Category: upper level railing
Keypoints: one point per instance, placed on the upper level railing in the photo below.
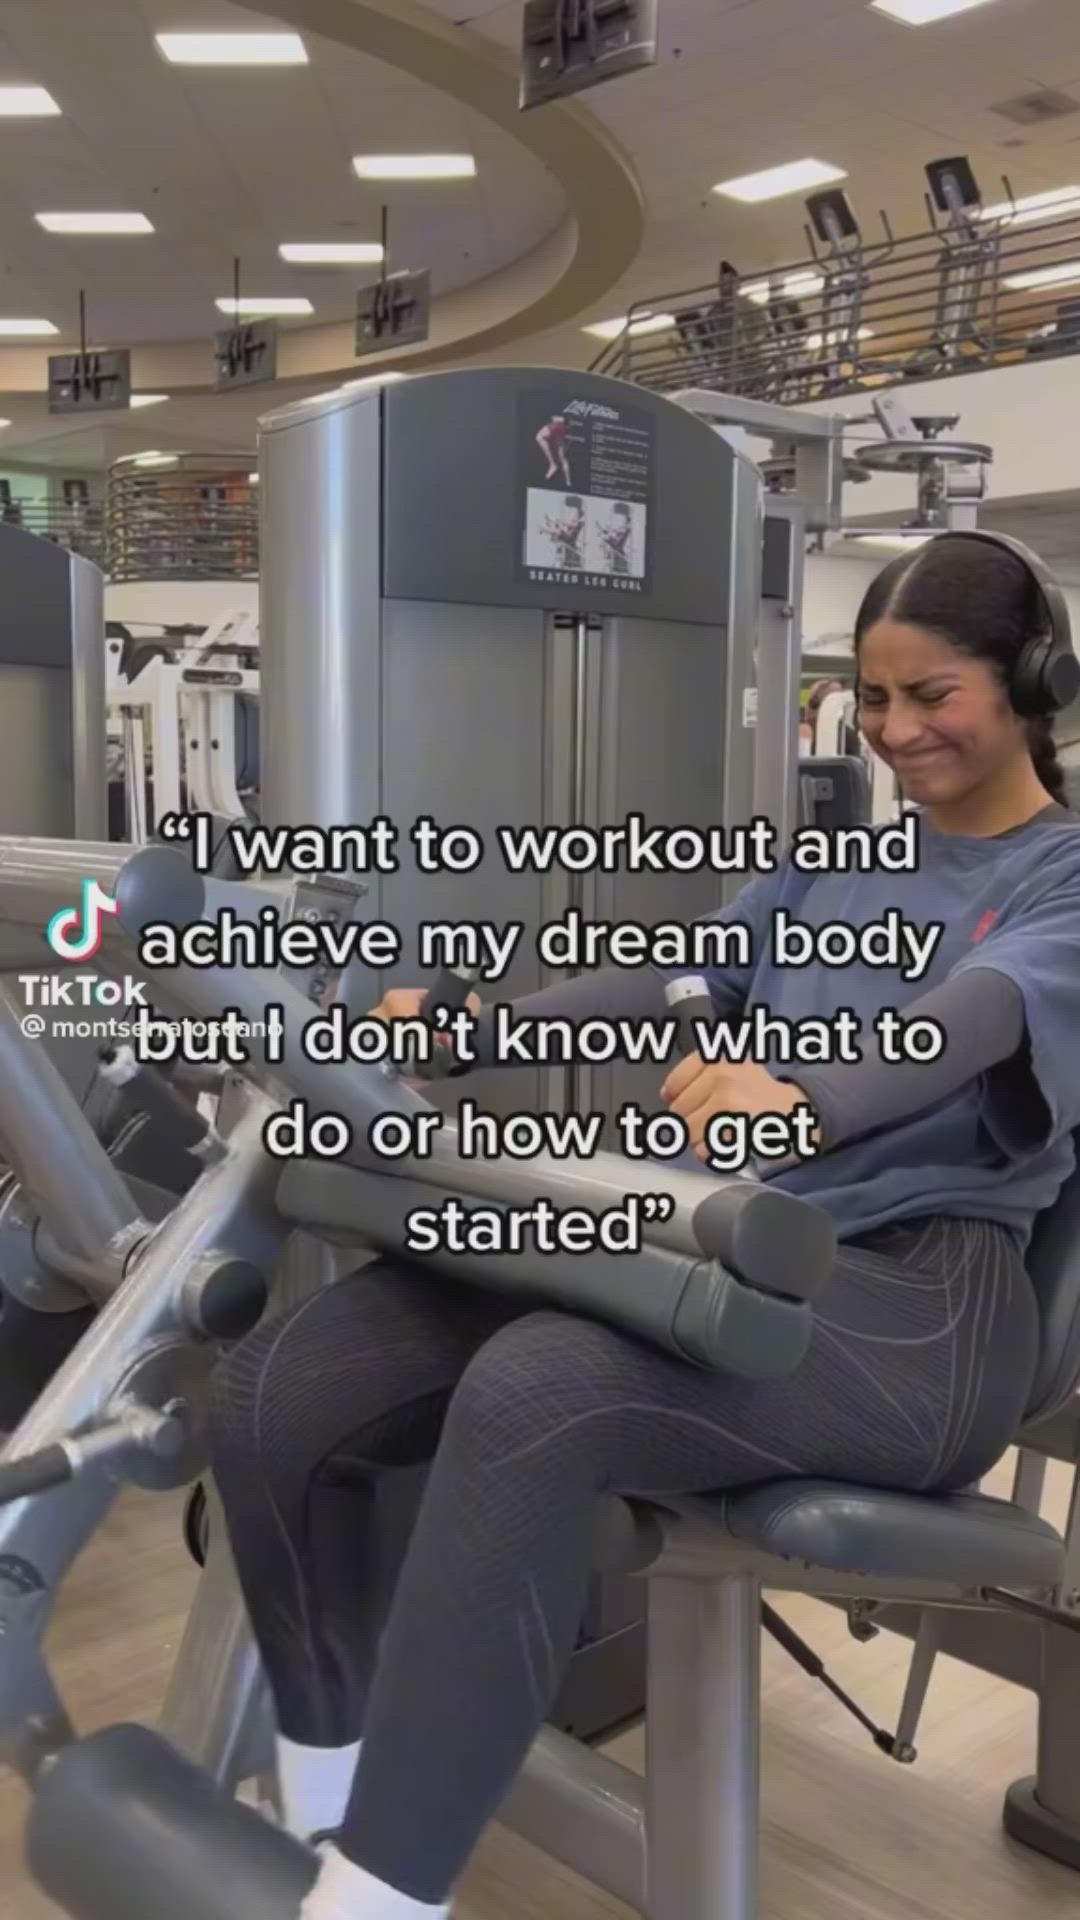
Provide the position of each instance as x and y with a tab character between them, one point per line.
982	292
182	516
77	525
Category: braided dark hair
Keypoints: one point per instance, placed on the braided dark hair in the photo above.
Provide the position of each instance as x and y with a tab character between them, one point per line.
981	600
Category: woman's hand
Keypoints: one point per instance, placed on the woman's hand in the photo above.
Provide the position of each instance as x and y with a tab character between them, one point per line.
407	1003
697	1091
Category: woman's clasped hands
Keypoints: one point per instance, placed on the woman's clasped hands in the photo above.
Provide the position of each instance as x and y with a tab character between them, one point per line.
699	1091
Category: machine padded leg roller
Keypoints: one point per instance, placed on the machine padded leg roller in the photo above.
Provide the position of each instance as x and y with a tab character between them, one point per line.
124	1828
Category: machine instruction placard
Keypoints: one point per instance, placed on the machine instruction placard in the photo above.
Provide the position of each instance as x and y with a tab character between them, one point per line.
586	492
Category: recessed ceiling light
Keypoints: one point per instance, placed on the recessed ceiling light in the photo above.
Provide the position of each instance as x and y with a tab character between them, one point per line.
1053	205
368	380
332	253
232	49
148	399
414	166
777	181
26	329
94	222
645	323
922	13
896	542
1063	276
27	103
793	286
249	305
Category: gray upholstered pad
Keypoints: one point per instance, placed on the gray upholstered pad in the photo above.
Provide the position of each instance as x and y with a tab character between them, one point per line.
966	1539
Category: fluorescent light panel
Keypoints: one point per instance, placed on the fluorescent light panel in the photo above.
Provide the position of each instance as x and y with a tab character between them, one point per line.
896	542
1034	207
232	49
645	323
332	253
923	13
27	103
26	329
248	305
148	399
775	182
94	222
365	380
794	286
414	166
1064	276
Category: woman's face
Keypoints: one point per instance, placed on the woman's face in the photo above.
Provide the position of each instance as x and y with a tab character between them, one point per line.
940	719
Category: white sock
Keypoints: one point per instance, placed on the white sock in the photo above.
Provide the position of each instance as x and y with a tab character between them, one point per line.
345	1892
315	1785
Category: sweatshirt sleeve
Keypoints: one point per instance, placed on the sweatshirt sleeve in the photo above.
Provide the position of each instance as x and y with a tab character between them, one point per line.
982	1023
610	993
638	993
1031	1100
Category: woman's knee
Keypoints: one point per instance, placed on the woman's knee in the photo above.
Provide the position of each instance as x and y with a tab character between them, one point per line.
263	1382
533	1384
360	1349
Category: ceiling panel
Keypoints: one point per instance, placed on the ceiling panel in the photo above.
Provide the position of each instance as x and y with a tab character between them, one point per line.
235	163
230	163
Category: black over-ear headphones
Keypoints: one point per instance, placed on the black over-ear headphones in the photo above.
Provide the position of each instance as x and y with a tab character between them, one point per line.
1046	677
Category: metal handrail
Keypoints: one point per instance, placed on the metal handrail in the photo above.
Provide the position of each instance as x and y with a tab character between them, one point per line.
77	526
924	307
182	516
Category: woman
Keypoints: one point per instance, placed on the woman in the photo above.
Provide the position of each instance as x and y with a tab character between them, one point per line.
403	1720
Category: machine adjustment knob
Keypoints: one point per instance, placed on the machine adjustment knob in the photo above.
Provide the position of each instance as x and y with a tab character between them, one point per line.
225	1297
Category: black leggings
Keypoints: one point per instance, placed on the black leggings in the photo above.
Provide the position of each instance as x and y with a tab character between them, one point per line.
918	1373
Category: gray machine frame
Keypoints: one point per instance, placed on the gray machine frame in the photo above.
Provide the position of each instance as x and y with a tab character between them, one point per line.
52	686
984	1580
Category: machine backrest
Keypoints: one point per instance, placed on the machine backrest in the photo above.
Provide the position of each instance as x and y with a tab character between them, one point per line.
1054	1265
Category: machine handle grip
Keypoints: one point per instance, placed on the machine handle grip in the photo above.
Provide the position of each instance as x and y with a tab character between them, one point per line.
451	991
452	988
689	999
35	1473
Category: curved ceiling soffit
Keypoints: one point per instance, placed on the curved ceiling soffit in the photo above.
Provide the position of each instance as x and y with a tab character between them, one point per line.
571	268
589	252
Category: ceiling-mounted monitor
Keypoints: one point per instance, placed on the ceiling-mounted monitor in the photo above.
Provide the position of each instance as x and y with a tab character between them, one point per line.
395	312
90	382
571	45
246	356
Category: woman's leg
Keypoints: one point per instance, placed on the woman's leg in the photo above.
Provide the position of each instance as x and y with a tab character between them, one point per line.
33	1348
917	1376
307	1418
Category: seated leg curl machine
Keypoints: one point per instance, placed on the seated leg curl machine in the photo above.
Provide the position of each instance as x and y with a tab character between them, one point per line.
402	579
131	1823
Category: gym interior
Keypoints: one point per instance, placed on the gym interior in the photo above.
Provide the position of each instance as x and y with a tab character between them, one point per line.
539	594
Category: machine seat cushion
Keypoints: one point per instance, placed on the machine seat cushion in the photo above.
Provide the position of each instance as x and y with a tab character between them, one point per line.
961	1538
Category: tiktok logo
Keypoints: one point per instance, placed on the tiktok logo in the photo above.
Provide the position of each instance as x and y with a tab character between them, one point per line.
75	932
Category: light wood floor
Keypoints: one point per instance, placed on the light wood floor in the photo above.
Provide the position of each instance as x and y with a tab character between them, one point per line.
847	1835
